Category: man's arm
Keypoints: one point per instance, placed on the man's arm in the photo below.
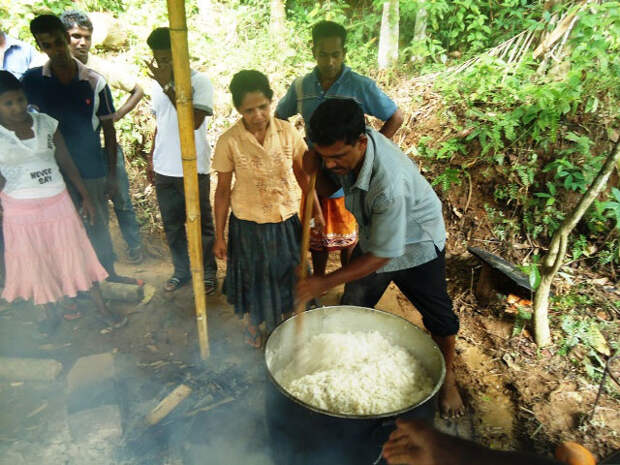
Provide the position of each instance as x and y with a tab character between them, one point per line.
312	164
134	98
109	137
386	239
358	268
416	443
287	106
68	168
392	124
150	172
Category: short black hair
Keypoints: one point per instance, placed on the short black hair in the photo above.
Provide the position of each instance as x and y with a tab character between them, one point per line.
46	24
337	119
77	18
325	29
249	80
159	39
9	82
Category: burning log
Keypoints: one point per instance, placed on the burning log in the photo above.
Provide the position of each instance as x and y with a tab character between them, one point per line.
168	404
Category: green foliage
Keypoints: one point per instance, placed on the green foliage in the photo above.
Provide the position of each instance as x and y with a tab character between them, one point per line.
466	26
585	332
539	132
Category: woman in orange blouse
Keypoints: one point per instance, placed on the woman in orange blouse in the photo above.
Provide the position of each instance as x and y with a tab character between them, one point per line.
265	156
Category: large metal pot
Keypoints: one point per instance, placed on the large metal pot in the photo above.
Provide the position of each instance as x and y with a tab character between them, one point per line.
303	434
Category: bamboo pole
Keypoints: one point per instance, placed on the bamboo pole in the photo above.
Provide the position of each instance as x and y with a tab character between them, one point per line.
185	113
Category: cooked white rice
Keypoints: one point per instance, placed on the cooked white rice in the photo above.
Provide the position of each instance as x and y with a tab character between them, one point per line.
358	373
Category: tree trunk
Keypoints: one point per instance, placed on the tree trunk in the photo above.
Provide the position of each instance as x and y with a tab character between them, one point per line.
388	40
419	31
277	26
557	250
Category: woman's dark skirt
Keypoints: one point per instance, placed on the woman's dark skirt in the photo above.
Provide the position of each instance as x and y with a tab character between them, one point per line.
260	276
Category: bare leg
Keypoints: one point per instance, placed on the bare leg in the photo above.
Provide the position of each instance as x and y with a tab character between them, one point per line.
253	335
450	402
319	262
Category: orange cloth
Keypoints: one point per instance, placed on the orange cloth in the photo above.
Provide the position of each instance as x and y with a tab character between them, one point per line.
340	229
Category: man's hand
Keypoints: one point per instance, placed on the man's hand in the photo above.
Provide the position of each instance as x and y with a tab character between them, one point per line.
219	249
150	172
413	443
311	162
88	210
163	75
310	288
111	185
319	221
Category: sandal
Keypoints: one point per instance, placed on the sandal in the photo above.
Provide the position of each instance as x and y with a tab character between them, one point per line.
254	340
210	286
173	284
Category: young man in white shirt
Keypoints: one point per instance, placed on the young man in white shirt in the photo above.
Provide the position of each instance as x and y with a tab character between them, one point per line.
167	164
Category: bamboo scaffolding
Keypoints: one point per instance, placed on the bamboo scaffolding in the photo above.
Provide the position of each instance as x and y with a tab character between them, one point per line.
185	114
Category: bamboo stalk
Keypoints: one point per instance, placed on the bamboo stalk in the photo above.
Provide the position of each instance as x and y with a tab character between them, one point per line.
305	245
185	114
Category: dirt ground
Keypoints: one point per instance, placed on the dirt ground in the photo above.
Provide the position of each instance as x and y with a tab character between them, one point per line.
518	397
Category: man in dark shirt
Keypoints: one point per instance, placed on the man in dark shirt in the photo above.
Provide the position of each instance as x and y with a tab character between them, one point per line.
81	101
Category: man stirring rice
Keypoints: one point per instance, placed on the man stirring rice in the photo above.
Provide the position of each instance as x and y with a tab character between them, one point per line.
401	230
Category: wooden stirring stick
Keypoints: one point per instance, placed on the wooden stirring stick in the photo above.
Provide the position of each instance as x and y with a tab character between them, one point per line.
305	245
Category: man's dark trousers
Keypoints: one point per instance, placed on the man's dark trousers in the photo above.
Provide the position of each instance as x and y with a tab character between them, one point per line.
171	199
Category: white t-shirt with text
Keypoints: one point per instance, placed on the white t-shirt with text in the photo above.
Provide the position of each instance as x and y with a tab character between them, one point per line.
29	166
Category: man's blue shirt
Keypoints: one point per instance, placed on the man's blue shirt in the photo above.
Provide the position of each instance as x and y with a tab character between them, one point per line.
398	213
350	84
362	89
18	56
79	107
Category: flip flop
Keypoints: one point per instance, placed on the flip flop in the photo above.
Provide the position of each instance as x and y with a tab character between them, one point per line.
173	284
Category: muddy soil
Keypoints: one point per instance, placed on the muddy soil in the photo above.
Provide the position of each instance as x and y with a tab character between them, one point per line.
518	398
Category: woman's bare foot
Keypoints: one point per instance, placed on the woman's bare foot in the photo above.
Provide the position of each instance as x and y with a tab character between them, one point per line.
253	336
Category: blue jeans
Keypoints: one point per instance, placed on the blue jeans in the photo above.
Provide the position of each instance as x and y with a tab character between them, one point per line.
123	207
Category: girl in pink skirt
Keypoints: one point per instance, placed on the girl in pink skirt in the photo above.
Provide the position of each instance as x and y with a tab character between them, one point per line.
47	253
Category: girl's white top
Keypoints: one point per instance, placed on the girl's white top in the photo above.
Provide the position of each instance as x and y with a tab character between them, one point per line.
29	166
